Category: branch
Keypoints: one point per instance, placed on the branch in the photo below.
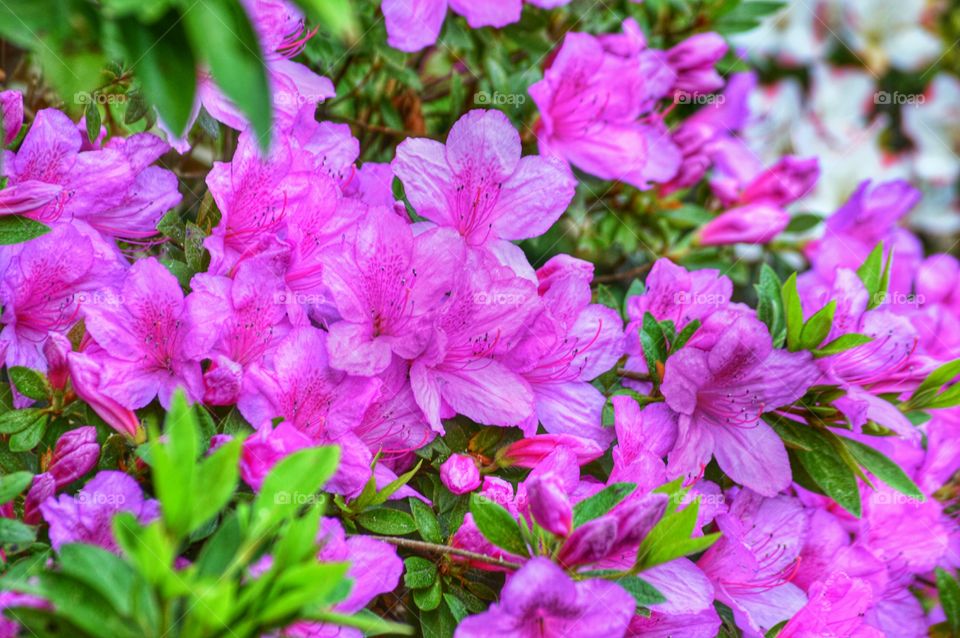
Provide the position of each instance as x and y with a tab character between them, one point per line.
433	548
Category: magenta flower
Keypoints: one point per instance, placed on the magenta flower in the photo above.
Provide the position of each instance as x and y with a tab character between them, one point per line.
756	223
693	60
297	384
266	447
753	562
235	323
531	450
75	454
11	115
459	372
541	600
595	102
387	286
460	474
721	390
113	188
836	607
87	517
145	334
415	24
44	284
85	377
255	196
549	504
479	185
571	343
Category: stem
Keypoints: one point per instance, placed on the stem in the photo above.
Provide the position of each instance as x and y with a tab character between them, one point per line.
433	548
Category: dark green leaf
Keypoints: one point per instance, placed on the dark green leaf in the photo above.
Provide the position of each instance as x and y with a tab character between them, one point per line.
601	502
842	344
19	420
429	599
770	304
793	312
30	383
28	438
643	592
883	468
387	521
949	591
13	531
426	521
418	572
91	116
497	525
824	465
15	229
12	485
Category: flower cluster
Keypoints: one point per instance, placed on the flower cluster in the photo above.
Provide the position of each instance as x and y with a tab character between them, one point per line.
689	455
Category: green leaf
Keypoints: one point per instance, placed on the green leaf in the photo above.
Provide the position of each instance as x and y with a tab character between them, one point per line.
770	304
883	468
147	547
803	222
336	16
163	61
12	485
842	344
949	591
439	623
174	465
816	329
298	540
30	383
793	312
601	502
426	521
497	525
387	521
671	537
102	571
823	463
15	229
643	592
13	531
923	397
871	273
429	599
19	420
218	474
654	344
84	606
685	335
293	482
418	572
91	116
28	438
369	624
220	32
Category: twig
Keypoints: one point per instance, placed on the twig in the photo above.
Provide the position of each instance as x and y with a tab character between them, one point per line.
446	549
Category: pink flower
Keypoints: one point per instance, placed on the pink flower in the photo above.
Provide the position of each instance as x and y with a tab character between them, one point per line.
595	101
11	115
145	336
479	185
85	376
460	474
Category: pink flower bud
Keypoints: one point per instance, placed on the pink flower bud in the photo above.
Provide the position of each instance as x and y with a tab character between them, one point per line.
693	60
74	455
27	197
531	450
786	181
55	349
42	488
11	115
460	474
549	504
85	374
589	543
750	224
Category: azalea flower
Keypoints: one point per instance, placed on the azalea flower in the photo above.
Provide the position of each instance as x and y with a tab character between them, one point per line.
145	336
595	107
479	185
541	599
87	517
720	385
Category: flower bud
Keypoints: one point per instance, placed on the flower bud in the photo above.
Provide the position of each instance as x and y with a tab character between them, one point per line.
42	488
590	542
75	454
460	474
11	115
637	517
693	60
783	183
55	349
85	374
750	224
549	504
27	197
529	451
